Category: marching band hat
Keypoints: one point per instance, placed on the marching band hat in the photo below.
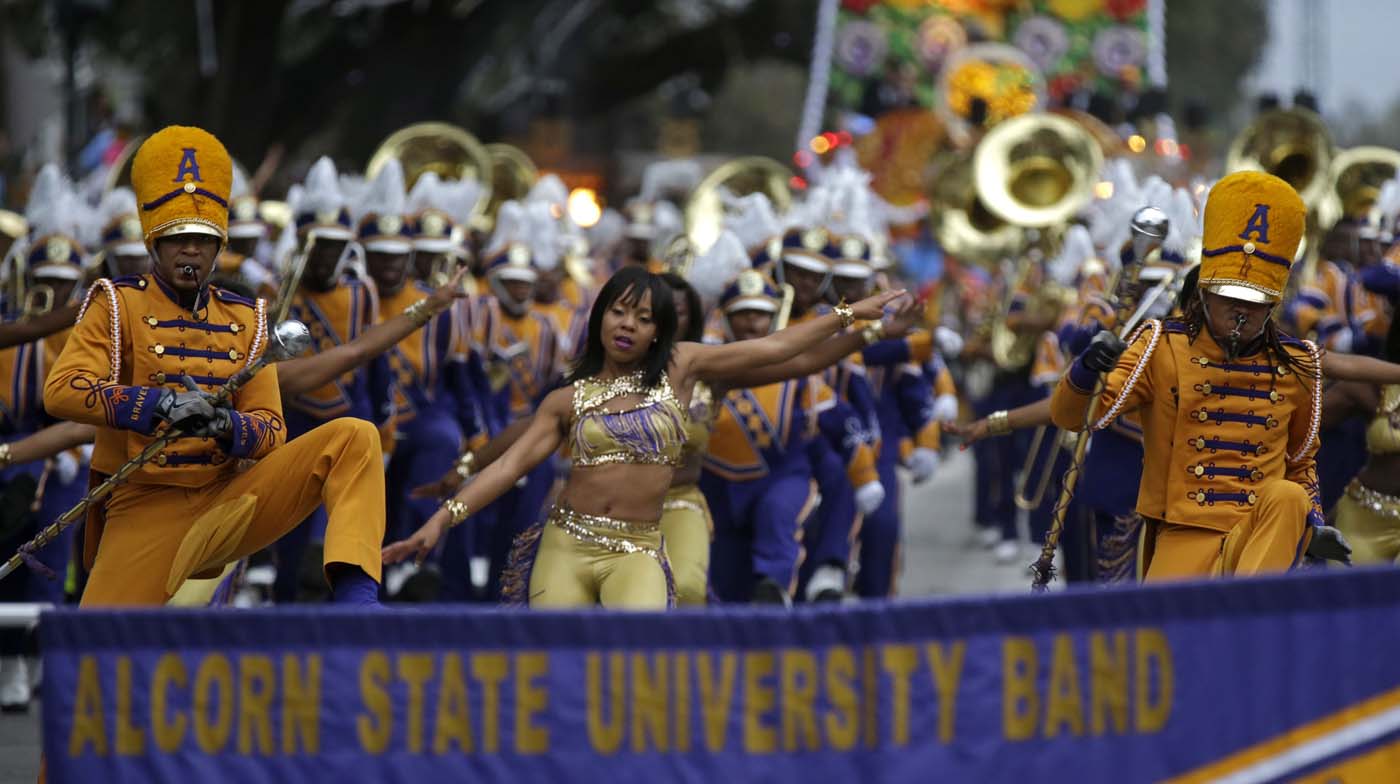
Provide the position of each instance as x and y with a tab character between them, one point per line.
182	176
1252	226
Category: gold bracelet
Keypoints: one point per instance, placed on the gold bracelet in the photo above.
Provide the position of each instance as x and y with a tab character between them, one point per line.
465	464
844	312
456	510
998	423
874	332
419	312
5	457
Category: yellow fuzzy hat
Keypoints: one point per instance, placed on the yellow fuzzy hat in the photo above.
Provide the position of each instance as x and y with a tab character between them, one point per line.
1253	223
182	177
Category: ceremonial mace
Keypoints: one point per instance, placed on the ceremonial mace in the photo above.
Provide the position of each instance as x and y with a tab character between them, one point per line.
287	340
1149	228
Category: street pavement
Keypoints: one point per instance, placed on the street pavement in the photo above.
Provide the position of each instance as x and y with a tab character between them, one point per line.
941	558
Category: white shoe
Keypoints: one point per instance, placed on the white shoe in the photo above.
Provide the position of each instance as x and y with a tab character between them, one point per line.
397	575
479	568
1007	552
262	576
828	583
14	685
988	538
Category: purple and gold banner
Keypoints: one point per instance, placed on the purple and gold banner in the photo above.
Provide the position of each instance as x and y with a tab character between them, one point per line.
1249	681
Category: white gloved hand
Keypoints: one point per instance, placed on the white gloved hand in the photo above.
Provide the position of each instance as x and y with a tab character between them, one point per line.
945	408
921	464
66	466
869	496
950	343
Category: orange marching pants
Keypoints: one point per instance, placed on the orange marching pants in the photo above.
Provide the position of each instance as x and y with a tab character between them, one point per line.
140	554
1271	538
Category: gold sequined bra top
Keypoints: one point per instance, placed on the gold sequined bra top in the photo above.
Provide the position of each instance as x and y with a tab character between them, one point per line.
651	431
1383	434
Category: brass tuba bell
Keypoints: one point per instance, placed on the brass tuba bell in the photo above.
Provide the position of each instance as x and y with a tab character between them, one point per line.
451	152
1354	183
1291	144
512	175
1035	172
960	220
704	210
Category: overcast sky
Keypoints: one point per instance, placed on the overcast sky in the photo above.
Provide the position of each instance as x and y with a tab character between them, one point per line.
1362	52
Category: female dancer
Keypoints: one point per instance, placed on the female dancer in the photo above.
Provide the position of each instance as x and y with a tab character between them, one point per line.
622	412
1368	513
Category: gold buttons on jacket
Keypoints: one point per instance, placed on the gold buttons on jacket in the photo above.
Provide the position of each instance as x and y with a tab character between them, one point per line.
1198	470
1206	388
1248	249
1203	415
157	349
161	459
1199	442
151	320
159	378
1251	499
237	328
1274	396
189	187
233	354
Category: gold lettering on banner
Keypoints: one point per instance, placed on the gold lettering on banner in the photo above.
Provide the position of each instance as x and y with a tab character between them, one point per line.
415	670
531	699
716	695
213	716
256	683
131	740
649	708
89	724
1108	692
759	736
899	661
682	701
168	729
605	732
1064	706
452	721
489	670
375	726
301	704
1154	656
797	699
842	720
1020	703
946	668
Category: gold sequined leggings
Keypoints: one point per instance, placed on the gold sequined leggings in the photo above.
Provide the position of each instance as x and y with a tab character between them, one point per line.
1371	523
687	527
585	560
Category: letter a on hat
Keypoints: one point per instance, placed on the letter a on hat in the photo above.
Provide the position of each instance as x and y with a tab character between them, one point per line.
1258	225
188	165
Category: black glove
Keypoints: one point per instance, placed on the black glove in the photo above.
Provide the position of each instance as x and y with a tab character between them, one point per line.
1103	352
218	426
1329	544
184	410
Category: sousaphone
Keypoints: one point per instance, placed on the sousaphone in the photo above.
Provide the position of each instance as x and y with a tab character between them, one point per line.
445	149
704	210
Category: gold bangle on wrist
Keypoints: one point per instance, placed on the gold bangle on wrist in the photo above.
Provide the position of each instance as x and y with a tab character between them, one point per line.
465	465
419	312
998	423
844	312
456	511
5	457
874	332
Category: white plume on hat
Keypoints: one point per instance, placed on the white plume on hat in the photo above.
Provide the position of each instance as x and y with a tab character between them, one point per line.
320	193
604	235
1183	227
673	179
510	227
239	188
542	235
385	194
552	191
1109	218
1077	248
117	204
53	207
717	267
752	219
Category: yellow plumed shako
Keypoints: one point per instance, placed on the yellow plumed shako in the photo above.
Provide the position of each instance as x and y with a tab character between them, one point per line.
182	177
1253	223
